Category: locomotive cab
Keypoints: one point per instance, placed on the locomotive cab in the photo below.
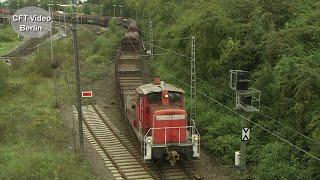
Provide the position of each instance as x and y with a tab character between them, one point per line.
161	123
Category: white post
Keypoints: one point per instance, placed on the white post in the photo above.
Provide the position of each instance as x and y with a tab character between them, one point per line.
101	10
51	46
151	41
65	23
114	10
2	11
193	81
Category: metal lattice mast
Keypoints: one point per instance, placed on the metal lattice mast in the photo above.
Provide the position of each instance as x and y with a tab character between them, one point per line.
77	74
193	95
151	41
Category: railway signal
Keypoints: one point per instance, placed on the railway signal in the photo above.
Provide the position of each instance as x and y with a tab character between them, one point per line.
245	134
248	100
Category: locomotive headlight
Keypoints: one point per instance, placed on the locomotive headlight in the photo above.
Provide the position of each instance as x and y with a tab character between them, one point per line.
195	138
149	140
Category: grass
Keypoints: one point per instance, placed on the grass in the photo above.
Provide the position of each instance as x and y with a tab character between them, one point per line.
8	39
5	47
36	142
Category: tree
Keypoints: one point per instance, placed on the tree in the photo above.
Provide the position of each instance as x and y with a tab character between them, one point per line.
276	163
86	9
280	11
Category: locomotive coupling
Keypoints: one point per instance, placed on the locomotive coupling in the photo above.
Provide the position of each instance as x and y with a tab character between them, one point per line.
173	156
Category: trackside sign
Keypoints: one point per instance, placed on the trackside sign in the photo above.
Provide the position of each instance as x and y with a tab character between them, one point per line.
87	94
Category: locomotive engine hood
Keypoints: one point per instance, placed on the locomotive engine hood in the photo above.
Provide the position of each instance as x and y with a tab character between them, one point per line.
168	112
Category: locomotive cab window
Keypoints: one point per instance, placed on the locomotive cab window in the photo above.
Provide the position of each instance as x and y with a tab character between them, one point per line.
154	98
174	97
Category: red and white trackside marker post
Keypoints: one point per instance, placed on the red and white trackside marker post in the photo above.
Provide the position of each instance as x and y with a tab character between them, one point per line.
86	93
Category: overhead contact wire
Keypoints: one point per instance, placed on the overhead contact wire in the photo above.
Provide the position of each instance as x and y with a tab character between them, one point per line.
240	115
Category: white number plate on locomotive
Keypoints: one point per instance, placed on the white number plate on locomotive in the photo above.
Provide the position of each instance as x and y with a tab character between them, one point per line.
171	117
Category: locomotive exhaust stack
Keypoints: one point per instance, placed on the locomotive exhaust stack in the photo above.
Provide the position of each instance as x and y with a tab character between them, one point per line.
157	80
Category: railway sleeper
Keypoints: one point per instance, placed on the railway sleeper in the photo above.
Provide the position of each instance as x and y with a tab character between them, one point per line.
126	160
123	153
116	158
129	78
128	169
137	174
126	163
120	156
130	83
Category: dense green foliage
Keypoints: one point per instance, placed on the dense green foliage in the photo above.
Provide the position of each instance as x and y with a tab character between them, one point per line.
277	41
7	34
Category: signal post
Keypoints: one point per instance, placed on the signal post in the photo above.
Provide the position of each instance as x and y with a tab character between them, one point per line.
247	100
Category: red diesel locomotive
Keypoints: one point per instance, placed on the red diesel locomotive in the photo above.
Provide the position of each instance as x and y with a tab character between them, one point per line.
155	111
159	119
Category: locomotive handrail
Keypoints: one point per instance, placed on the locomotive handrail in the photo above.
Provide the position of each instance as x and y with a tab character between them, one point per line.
194	131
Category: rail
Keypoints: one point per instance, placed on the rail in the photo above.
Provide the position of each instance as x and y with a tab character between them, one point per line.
120	140
103	149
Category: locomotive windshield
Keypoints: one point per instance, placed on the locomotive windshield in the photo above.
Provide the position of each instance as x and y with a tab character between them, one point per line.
155	98
174	97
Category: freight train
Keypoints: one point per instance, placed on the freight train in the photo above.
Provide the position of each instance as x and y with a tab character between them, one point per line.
155	111
85	19
89	19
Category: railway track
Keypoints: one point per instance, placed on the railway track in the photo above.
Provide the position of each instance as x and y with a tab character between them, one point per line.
129	75
169	172
113	147
120	153
121	150
26	47
182	170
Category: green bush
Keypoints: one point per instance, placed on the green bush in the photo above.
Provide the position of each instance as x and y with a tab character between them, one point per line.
223	146
7	34
276	163
97	59
42	64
